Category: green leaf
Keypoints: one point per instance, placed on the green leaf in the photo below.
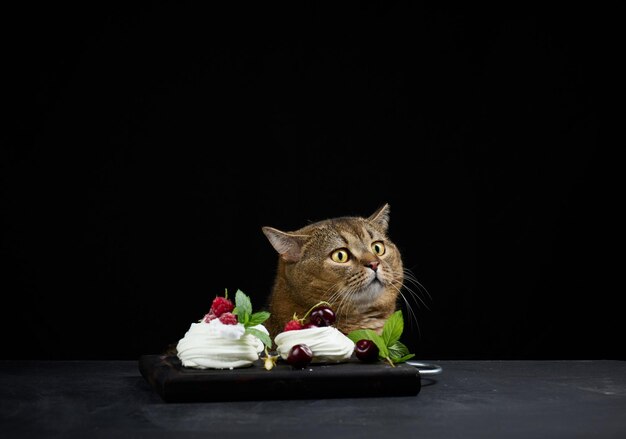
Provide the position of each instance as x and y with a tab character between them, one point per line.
360	334
258	317
267	341
243	302
398	350
402	359
368	334
392	330
243	307
389	345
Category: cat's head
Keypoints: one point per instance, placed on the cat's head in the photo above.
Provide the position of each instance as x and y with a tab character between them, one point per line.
346	260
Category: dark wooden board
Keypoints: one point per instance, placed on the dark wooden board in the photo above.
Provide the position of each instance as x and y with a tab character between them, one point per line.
175	383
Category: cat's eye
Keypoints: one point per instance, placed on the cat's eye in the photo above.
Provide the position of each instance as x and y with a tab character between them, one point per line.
341	255
378	248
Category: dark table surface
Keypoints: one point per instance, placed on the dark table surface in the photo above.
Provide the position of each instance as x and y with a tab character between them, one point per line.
470	399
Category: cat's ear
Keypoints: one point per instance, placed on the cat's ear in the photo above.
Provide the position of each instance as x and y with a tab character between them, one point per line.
288	245
381	217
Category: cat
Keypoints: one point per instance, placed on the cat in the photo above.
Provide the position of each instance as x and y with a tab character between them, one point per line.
349	262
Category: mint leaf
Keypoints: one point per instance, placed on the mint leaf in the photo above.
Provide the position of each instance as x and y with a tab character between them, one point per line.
243	307
359	334
260	335
392	330
258	317
243	302
390	348
402	359
398	350
368	334
243	311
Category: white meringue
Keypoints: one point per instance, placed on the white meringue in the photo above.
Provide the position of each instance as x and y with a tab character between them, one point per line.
214	345
327	343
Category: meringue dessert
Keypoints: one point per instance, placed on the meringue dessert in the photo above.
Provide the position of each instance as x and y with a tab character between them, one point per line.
327	343
214	345
229	336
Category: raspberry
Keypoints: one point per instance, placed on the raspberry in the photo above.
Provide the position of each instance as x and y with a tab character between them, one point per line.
292	325
208	317
221	305
228	318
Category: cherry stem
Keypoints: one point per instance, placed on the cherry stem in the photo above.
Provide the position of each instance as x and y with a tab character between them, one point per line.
312	308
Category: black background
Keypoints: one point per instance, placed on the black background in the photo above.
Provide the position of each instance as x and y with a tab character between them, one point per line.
146	147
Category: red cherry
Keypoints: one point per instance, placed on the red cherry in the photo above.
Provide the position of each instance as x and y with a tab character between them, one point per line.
322	316
366	350
300	356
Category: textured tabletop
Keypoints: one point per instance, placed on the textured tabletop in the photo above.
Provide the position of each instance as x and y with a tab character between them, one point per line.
470	399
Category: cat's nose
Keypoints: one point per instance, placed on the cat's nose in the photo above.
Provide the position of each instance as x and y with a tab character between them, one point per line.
373	265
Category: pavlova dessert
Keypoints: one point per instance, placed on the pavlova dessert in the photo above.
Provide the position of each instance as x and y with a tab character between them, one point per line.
229	336
313	339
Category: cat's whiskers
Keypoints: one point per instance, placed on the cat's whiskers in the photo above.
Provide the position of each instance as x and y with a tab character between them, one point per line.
342	296
346	298
418	297
418	300
408	276
337	287
335	295
345	295
409	309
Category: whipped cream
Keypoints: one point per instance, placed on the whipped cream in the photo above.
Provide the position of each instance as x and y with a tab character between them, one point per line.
214	345
327	343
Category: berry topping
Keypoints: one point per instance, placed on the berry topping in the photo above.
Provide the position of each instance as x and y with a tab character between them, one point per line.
228	318
292	325
300	356
221	305
322	316
208	317
366	351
